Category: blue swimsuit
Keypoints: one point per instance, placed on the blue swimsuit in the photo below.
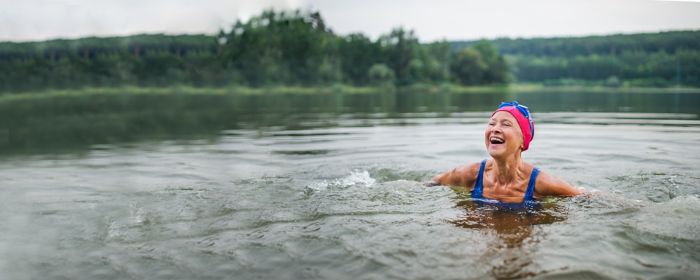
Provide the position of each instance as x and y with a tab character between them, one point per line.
478	192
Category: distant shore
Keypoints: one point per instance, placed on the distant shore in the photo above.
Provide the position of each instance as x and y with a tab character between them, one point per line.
345	89
340	89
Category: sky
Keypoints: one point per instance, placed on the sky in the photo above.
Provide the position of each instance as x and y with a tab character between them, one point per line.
32	20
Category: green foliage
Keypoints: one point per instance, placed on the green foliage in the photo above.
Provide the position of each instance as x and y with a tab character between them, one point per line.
668	42
298	49
400	48
479	64
271	49
654	59
380	74
135	60
282	48
468	67
635	68
358	53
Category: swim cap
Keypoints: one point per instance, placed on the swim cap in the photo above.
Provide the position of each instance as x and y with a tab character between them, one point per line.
522	114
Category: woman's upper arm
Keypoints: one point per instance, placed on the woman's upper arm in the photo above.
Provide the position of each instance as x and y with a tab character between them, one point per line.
463	176
548	185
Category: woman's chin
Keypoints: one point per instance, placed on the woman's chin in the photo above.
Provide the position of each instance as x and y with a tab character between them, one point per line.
499	150
496	151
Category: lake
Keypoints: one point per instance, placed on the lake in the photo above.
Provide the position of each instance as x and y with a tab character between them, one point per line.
301	186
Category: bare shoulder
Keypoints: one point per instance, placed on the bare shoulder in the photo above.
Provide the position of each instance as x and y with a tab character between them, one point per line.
463	176
471	171
550	185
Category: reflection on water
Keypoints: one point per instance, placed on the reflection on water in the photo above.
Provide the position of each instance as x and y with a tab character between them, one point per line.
512	226
299	187
510	254
59	122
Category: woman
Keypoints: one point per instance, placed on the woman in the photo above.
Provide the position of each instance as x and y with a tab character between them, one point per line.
506	177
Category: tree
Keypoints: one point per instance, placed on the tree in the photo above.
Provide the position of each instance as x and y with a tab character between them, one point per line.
496	68
468	67
357	54
400	48
380	74
281	48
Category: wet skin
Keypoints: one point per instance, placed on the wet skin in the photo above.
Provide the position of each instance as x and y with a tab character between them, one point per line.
506	175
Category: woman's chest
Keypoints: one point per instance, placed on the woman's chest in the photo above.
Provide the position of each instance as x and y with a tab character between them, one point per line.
514	192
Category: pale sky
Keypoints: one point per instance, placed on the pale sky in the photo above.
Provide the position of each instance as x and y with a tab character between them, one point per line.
28	20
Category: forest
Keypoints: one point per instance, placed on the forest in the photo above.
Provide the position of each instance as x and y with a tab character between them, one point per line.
299	49
652	59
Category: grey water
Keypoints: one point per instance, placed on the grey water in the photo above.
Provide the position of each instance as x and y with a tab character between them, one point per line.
340	195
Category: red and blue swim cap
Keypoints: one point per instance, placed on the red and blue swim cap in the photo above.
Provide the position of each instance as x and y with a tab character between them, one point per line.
522	115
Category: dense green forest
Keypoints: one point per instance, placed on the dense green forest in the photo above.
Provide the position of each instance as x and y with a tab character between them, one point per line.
298	49
272	49
652	59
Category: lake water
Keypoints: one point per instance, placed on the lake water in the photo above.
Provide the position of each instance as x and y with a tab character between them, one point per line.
316	193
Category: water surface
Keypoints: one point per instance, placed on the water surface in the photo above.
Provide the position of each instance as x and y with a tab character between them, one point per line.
340	195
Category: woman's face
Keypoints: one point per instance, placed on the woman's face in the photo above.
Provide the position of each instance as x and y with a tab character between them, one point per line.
503	135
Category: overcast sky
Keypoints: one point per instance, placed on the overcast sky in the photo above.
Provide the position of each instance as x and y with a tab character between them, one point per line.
431	19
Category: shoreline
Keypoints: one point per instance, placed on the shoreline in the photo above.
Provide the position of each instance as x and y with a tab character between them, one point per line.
341	89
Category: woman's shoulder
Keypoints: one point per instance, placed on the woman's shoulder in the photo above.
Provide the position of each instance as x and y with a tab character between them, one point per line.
469	172
464	175
548	184
473	168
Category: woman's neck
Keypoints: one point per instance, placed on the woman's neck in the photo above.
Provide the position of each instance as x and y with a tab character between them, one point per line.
506	169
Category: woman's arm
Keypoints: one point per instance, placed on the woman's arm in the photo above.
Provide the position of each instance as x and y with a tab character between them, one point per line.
548	185
463	176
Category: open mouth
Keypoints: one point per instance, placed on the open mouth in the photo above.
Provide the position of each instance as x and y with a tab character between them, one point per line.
496	140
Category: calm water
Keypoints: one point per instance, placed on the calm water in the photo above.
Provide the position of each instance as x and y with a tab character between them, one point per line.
313	194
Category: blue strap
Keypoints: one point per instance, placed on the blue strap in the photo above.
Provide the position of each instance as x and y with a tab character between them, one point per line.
478	191
530	193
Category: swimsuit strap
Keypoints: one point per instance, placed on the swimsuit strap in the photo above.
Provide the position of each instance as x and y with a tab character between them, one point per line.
530	193
478	191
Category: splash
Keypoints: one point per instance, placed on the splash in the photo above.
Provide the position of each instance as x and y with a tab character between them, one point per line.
357	178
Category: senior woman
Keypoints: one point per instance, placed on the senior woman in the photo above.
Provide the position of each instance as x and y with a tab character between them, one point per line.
505	177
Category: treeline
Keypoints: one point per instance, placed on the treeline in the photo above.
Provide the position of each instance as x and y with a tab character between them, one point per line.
274	48
651	59
298	49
